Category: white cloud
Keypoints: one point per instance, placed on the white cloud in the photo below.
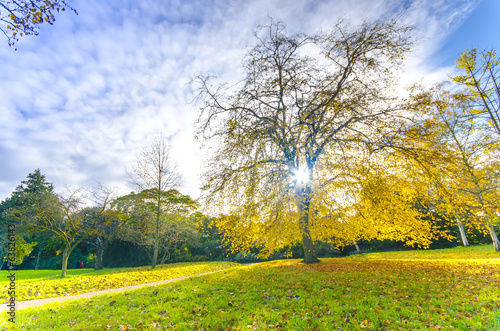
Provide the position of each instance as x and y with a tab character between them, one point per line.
81	99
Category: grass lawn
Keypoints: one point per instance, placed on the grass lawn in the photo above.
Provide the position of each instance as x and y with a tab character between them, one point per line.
454	289
42	284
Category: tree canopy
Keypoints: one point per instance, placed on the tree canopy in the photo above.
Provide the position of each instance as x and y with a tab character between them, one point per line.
480	75
288	139
160	236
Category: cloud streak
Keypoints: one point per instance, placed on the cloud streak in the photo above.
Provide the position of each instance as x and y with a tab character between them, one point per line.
81	99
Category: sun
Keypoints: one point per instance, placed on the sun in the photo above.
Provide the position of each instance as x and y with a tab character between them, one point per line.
300	176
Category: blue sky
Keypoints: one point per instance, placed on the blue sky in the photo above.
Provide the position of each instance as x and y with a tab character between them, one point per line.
79	100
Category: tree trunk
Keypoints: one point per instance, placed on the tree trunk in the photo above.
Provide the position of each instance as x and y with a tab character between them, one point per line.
463	236
99	252
65	258
309	254
38	257
357	248
155	252
494	237
157	234
303	196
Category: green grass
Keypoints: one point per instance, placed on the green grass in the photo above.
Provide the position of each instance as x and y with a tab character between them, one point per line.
39	275
41	284
478	252
433	290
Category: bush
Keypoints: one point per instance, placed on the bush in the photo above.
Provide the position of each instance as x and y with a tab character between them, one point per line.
326	250
91	260
118	253
189	258
213	249
242	257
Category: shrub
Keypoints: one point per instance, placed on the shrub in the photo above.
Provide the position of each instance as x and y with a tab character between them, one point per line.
242	257
189	258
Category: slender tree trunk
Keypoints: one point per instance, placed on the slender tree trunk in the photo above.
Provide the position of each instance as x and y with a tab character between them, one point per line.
463	236
357	248
66	253
157	233
38	257
155	252
493	235
99	252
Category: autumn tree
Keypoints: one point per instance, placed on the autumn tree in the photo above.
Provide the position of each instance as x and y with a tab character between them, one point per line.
480	74
155	172
473	172
390	202
174	229
68	216
283	137
421	152
456	156
23	17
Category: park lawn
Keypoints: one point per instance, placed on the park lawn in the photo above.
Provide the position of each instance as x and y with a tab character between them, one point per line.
354	293
477	252
42	284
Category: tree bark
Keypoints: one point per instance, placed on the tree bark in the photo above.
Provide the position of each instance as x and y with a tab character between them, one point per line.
66	253
307	242
357	248
155	252
463	236
157	234
493	235
38	257
303	195
99	252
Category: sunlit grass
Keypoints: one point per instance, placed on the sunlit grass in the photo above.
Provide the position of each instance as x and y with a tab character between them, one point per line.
38	275
477	252
41	284
355	293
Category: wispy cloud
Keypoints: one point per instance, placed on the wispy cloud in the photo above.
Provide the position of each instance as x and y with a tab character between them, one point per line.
81	99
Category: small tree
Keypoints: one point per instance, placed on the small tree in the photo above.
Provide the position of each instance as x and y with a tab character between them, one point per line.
67	216
174	228
155	172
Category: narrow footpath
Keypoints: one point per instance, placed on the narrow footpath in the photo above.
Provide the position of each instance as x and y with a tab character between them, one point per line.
39	302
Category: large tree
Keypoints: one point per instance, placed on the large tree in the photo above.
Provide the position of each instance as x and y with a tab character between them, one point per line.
156	172
467	172
22	17
284	137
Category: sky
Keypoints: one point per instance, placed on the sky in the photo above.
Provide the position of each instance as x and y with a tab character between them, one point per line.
82	98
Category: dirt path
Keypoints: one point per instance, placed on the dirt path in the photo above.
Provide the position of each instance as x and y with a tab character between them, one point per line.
39	302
